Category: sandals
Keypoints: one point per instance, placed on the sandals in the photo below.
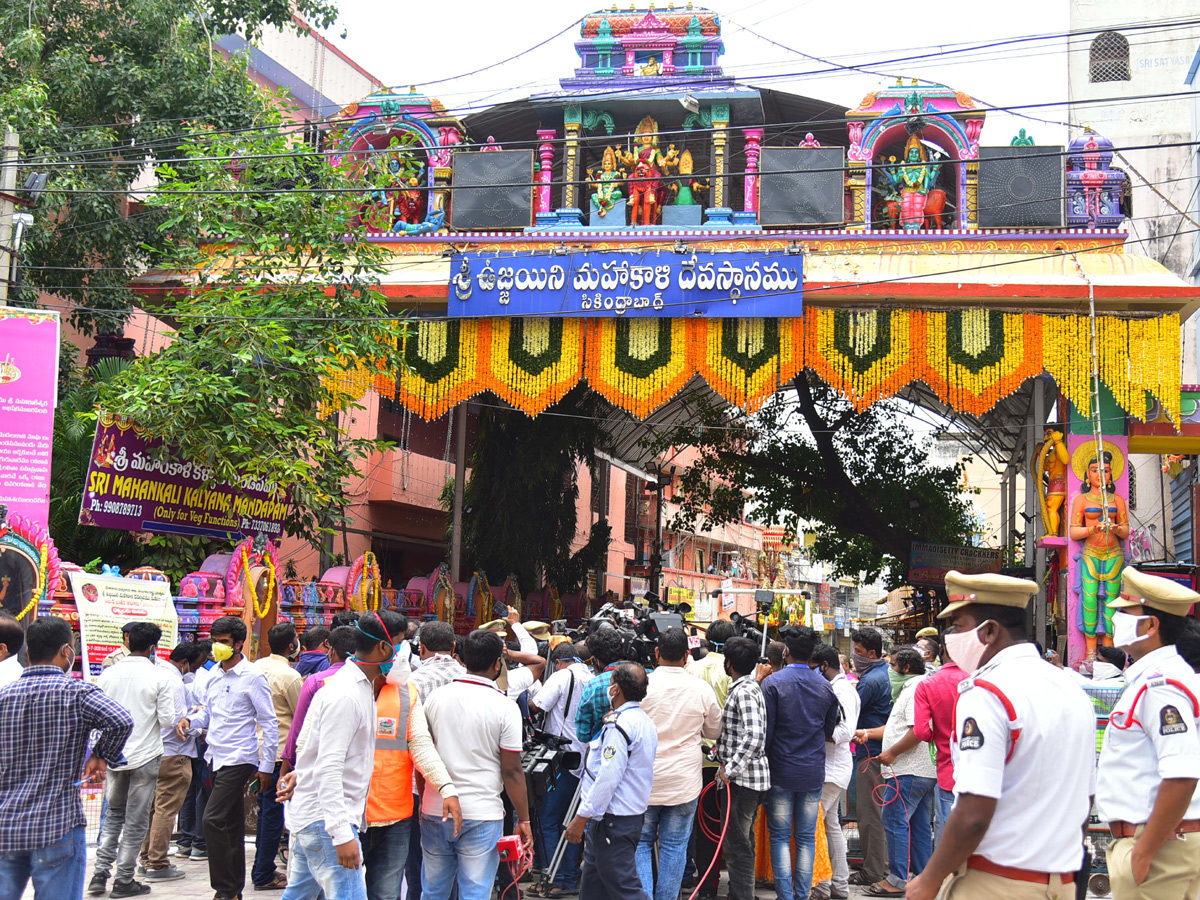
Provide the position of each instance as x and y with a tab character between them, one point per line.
877	890
858	878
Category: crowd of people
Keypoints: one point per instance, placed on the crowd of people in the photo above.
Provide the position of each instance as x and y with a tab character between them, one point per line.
391	753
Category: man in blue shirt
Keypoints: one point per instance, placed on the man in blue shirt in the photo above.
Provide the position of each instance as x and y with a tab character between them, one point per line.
616	788
875	705
802	713
607	647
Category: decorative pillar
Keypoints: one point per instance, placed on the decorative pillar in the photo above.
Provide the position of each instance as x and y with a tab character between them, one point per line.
857	182
546	175
630	63
969	211
570	212
669	61
753	138
719	213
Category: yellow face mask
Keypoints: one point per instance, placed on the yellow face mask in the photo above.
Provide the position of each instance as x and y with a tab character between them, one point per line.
222	652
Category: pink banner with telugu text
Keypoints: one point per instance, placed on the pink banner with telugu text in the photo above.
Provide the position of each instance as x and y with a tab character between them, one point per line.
28	394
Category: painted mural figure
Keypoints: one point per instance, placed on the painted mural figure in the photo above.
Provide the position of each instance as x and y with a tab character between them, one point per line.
1101	530
608	183
914	179
648	164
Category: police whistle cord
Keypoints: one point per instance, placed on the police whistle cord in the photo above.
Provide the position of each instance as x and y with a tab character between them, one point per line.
714	785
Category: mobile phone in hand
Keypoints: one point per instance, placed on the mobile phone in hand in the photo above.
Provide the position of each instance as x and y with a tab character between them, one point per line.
252	787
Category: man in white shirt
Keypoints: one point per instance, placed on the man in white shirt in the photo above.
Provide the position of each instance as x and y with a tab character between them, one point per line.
684	710
559	698
334	761
146	690
12	639
839	769
477	731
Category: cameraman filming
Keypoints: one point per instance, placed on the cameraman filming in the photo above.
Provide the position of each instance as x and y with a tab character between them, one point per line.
559	699
608	648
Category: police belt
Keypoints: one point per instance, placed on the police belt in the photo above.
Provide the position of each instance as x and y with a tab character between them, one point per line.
1129	829
983	864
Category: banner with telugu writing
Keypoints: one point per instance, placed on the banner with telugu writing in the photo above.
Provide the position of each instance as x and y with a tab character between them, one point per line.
658	283
28	394
107	602
131	485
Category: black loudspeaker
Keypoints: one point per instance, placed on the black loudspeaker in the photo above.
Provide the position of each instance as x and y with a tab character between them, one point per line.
492	190
1021	187
802	186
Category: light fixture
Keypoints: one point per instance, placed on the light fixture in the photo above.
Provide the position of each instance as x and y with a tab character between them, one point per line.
690	103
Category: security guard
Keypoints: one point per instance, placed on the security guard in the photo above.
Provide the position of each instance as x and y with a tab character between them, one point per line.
616	789
1024	748
1150	763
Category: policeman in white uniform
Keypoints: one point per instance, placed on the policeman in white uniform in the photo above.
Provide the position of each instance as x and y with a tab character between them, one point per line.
1150	763
1024	747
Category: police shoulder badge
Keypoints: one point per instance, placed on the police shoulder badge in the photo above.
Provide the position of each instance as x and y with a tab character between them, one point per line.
609	752
1171	722
972	737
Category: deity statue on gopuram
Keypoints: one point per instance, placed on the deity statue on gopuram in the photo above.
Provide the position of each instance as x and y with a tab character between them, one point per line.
608	182
647	167
687	184
914	178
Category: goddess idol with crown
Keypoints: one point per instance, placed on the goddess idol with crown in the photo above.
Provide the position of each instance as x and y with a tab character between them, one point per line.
608	183
913	178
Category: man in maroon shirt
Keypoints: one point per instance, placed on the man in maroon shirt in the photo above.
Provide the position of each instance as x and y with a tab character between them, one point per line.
933	708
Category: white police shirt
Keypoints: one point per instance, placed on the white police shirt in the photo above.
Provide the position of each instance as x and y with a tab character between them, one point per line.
1153	733
1038	761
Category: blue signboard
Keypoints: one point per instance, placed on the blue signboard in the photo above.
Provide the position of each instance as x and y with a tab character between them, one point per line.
643	283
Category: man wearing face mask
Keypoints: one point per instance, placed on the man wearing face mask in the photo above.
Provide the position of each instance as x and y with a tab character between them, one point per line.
236	703
46	718
1150	762
616	785
1024	746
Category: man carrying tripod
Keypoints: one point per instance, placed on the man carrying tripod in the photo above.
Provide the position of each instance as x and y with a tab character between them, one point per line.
559	699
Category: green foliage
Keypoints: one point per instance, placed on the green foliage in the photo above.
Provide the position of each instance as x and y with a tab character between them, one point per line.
282	293
858	481
97	88
523	493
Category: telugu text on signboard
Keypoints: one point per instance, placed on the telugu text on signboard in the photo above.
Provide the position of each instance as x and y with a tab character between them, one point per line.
107	602
28	390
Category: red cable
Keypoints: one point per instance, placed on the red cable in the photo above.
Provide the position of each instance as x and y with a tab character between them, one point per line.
720	839
878	800
517	869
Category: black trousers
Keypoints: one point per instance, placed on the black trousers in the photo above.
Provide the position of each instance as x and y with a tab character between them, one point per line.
609	865
225	829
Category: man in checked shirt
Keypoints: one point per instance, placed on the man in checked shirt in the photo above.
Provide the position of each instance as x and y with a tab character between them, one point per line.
45	720
741	750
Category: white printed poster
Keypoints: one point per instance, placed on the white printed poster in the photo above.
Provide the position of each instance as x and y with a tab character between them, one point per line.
107	602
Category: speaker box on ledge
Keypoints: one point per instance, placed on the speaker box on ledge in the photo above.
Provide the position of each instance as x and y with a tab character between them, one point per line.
492	190
1021	187
802	186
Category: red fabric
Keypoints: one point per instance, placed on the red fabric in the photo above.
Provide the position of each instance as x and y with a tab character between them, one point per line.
933	710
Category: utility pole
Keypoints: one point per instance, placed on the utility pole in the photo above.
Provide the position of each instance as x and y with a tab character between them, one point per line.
460	485
8	187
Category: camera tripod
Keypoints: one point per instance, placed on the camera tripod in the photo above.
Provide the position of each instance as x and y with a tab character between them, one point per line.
556	859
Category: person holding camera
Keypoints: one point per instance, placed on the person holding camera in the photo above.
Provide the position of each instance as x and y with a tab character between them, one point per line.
559	699
684	709
607	647
617	780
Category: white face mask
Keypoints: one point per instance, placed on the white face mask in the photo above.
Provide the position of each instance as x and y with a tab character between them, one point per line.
1125	629
966	649
401	664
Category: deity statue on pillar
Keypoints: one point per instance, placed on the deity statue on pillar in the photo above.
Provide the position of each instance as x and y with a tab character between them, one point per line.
647	167
608	183
1100	520
1050	476
914	179
687	185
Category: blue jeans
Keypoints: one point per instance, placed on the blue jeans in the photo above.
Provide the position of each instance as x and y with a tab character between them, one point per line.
471	859
270	830
57	871
908	821
671	826
943	802
313	869
385	854
554	808
793	814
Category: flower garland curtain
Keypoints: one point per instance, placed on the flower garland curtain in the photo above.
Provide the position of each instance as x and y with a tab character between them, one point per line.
971	358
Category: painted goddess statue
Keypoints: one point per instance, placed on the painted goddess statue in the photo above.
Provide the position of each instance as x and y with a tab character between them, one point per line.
1100	519
687	185
608	183
914	178
648	164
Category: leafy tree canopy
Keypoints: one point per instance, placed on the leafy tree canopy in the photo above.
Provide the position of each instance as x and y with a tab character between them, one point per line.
523	491
859	482
282	323
98	88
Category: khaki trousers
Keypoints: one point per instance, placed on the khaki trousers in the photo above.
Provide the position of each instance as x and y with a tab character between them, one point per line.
971	884
1174	871
174	777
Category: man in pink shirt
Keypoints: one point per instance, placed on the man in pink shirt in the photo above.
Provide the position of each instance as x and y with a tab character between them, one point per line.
933	709
341	646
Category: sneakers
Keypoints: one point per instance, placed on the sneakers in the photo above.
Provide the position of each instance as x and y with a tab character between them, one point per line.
129	889
183	851
198	854
166	873
98	885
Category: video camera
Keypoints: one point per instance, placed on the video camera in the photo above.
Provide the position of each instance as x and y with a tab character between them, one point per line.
639	624
544	757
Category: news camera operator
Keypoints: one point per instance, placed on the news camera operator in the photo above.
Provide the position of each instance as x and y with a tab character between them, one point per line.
607	646
616	787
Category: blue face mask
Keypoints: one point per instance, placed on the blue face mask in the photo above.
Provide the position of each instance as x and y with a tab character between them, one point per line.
384	667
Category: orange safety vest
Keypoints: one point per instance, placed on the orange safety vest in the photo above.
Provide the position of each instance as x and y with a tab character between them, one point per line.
390	798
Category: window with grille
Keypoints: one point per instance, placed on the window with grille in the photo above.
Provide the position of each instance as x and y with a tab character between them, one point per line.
1109	58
